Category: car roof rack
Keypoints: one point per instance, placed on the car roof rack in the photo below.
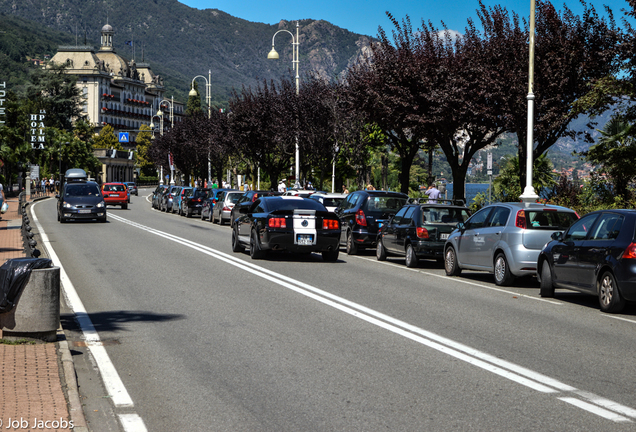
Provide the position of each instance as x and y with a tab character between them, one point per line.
75	175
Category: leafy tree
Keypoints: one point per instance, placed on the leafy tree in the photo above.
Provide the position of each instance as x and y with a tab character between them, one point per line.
507	187
144	141
194	102
616	152
107	139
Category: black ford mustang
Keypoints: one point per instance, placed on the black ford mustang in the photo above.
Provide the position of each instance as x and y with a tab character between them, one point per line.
288	223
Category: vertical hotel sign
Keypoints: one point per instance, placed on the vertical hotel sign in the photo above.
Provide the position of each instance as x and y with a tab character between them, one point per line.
37	130
3	94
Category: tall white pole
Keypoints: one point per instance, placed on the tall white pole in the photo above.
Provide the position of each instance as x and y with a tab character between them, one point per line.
295	51
529	195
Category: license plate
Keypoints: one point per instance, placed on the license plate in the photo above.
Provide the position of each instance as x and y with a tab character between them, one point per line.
114	195
444	236
305	239
84	211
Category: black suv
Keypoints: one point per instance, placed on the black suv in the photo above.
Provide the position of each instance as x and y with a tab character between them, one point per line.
419	230
362	214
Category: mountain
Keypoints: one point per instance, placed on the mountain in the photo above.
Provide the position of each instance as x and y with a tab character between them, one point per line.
181	42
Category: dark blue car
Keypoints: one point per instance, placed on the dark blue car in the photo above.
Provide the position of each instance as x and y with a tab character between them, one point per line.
596	255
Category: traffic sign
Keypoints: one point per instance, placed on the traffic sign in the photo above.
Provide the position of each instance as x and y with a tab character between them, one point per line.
123	137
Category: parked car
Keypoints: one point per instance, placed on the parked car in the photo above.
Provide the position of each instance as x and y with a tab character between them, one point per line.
362	214
222	210
289	223
80	199
247	198
193	203
177	201
419	231
157	195
209	203
167	199
329	200
596	255
115	194
504	239
132	187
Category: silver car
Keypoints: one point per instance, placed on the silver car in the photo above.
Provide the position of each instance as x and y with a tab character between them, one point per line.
504	239
222	210
329	200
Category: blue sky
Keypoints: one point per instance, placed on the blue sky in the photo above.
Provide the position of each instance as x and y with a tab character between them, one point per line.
364	16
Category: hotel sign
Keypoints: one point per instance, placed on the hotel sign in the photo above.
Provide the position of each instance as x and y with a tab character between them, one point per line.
37	130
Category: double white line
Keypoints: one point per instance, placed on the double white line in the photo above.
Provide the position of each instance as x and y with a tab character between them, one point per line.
585	400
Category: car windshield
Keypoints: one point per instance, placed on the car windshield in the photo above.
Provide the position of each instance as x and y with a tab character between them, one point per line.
385	203
114	188
541	219
292	204
82	190
443	215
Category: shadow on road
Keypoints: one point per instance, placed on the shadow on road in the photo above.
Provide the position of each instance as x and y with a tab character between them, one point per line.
114	320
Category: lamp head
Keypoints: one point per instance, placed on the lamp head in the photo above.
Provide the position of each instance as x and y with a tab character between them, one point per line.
273	55
160	113
193	92
152	125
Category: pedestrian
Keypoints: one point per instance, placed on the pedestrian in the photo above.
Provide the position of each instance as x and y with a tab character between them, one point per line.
52	184
370	187
282	186
345	190
433	193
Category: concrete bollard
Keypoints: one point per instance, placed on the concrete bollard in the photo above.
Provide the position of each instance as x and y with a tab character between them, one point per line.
37	314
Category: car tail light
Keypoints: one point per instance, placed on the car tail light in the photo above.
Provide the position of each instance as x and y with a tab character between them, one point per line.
422	233
170	196
328	224
520	221
361	219
197	200
226	208
213	201
254	197
630	252
277	223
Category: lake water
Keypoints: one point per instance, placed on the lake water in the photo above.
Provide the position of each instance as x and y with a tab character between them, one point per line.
472	189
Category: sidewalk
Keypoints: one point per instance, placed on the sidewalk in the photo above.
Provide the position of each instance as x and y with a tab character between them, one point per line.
38	388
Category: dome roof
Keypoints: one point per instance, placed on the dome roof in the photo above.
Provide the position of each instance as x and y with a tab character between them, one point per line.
107	28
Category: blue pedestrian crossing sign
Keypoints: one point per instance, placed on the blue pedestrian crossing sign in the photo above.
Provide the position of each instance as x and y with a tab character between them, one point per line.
123	137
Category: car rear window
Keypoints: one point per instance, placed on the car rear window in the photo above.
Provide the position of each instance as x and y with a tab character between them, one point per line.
200	194
384	204
545	219
234	197
331	202
291	204
444	215
114	188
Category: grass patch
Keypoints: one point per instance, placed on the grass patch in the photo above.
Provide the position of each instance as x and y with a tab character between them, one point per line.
17	342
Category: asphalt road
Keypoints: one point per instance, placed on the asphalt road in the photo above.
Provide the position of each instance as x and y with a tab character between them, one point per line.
208	340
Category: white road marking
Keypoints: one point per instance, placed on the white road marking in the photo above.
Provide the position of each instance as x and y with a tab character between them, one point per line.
132	423
467	282
511	371
112	381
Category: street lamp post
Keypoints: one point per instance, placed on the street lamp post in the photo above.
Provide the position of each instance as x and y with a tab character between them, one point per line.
160	114
208	101
152	126
273	55
529	195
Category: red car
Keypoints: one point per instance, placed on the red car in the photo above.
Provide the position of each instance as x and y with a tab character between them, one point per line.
115	194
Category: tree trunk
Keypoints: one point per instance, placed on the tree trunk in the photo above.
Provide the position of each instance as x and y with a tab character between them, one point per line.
459	183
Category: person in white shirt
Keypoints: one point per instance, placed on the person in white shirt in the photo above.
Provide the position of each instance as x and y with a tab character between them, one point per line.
282	186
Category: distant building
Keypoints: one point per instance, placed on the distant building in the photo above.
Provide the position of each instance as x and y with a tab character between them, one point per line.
117	92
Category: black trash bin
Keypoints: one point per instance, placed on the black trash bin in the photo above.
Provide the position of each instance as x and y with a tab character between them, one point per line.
29	299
